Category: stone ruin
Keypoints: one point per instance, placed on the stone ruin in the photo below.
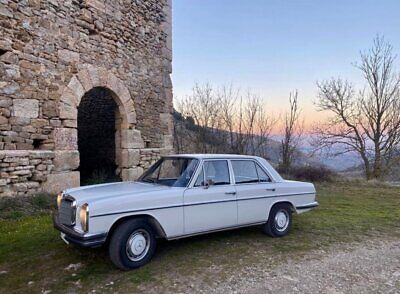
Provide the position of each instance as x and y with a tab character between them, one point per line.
85	91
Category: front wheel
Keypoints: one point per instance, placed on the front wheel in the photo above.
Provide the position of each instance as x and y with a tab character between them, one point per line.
279	221
132	244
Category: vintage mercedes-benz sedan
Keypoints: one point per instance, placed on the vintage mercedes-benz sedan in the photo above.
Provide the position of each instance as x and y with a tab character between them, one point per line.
180	196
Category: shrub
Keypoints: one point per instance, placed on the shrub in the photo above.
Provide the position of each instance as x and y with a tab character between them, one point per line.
311	173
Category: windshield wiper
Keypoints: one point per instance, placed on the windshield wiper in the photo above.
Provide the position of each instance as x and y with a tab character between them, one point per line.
149	180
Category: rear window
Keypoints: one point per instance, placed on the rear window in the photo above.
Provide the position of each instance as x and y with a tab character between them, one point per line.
247	171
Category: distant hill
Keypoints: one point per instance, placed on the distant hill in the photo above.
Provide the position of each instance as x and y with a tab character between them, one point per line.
186	128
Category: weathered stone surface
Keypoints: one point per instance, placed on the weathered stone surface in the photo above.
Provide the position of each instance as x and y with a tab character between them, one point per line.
28	108
66	139
68	111
68	56
22	172
52	54
131	139
130	157
168	141
58	182
131	174
66	160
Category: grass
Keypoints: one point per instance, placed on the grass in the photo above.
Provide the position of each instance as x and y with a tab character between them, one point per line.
34	259
15	208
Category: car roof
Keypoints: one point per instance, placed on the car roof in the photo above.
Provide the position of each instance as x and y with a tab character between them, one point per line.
275	175
212	156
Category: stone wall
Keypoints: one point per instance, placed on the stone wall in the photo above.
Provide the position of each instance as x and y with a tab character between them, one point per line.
53	52
137	161
24	172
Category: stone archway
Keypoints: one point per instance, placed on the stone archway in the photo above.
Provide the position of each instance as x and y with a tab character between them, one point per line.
127	139
98	121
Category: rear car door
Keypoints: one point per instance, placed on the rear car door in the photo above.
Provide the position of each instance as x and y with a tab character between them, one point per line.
255	191
211	203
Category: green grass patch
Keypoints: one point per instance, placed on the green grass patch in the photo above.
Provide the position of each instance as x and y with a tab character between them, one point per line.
33	258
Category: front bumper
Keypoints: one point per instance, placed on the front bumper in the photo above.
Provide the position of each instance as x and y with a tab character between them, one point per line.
74	237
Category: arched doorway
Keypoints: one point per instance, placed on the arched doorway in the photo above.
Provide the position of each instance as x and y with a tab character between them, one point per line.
98	121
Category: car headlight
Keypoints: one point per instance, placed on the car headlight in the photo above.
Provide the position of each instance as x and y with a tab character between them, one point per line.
84	217
59	198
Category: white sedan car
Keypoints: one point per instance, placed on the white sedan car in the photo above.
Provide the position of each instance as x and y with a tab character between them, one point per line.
180	196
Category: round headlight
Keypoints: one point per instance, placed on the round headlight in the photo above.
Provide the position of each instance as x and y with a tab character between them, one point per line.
84	217
59	198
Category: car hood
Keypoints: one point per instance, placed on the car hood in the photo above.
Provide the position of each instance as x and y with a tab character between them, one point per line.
98	192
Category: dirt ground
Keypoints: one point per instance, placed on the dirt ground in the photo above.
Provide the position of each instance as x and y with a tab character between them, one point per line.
368	267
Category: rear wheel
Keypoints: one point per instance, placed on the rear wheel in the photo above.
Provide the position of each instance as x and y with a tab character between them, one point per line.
279	220
132	244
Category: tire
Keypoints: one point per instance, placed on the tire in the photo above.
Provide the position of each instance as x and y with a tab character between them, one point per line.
140	235
279	220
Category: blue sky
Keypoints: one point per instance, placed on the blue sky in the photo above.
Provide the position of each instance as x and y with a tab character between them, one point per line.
274	47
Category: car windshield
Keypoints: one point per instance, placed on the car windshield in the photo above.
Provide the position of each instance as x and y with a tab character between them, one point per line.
171	171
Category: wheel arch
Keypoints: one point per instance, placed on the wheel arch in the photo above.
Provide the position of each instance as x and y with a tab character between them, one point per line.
283	201
158	229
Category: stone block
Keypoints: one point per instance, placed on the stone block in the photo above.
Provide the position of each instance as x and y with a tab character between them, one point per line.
77	89
131	174
70	123
68	56
56	183
3	120
85	80
66	139
66	160
68	111
131	139
130	157
96	4
167	120
168	141
43	154
28	108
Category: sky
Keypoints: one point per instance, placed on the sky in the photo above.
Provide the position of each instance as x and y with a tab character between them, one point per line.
275	47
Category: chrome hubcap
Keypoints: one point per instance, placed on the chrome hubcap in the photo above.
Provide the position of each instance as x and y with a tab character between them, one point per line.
138	245
281	220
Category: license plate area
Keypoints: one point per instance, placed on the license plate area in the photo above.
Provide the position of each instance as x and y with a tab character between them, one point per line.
62	235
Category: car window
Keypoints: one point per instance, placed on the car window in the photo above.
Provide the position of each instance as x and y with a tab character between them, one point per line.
262	175
200	179
171	171
217	172
245	171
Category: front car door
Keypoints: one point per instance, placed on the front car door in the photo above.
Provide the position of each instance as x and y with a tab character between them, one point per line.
255	191
210	202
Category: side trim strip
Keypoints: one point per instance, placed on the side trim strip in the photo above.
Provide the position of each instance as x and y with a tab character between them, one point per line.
216	230
202	203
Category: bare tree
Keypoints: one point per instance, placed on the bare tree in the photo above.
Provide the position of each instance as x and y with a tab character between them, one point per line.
223	121
292	131
258	126
367	122
246	121
203	108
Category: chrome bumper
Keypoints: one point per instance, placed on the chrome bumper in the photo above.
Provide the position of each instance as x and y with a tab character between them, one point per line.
307	206
71	236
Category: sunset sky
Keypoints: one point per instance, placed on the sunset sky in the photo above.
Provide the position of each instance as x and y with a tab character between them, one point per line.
274	47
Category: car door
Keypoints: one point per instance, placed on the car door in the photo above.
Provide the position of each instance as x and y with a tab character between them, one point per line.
210	203
255	191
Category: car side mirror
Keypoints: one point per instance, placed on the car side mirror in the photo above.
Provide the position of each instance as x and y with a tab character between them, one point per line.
208	183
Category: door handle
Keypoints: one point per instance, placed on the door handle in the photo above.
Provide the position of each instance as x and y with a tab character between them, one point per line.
230	193
271	189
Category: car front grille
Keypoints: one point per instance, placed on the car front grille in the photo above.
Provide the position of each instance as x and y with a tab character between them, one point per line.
67	211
